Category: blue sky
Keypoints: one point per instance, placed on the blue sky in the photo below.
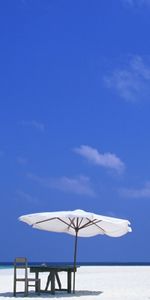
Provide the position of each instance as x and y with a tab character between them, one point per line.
74	114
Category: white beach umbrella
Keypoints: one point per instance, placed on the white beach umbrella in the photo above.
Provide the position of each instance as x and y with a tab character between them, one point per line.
78	223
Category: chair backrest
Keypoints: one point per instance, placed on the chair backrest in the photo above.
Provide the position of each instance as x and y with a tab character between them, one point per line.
20	263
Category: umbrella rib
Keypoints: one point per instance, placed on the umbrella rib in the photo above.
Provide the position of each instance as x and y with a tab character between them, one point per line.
90	223
69	225
85	225
51	219
77	226
71	222
46	220
80	222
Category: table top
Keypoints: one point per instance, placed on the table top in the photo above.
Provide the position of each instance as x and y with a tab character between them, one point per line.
48	268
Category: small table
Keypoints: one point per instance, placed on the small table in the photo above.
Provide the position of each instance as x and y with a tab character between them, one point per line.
53	274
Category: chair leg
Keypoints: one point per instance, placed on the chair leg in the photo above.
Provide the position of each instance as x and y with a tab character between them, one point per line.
14	288
39	286
26	288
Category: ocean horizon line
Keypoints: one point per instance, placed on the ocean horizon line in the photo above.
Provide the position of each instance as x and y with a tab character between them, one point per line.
91	263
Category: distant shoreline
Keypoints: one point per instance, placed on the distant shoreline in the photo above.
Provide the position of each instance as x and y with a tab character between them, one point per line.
9	264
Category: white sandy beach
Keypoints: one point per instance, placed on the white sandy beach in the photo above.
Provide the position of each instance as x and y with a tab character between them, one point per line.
103	283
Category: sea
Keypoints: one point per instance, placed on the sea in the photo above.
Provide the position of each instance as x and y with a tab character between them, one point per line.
7	265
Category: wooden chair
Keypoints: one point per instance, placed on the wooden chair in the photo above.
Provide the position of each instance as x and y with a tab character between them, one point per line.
21	263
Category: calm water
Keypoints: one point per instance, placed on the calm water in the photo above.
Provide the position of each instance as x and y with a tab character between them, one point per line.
7	265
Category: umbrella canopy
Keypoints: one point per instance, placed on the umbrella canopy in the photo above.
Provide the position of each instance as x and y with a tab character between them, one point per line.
78	223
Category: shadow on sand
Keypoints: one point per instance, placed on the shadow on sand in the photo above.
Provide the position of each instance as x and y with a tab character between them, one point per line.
79	293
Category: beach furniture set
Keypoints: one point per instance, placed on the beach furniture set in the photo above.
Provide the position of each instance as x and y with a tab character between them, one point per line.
21	263
78	223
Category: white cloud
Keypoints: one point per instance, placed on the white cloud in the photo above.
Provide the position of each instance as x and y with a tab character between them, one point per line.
37	125
136	2
132	82
143	192
107	160
26	197
80	185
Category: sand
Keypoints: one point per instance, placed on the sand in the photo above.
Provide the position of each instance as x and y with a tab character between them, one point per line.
103	283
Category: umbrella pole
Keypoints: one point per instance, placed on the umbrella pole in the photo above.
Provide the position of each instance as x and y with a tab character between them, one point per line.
75	258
